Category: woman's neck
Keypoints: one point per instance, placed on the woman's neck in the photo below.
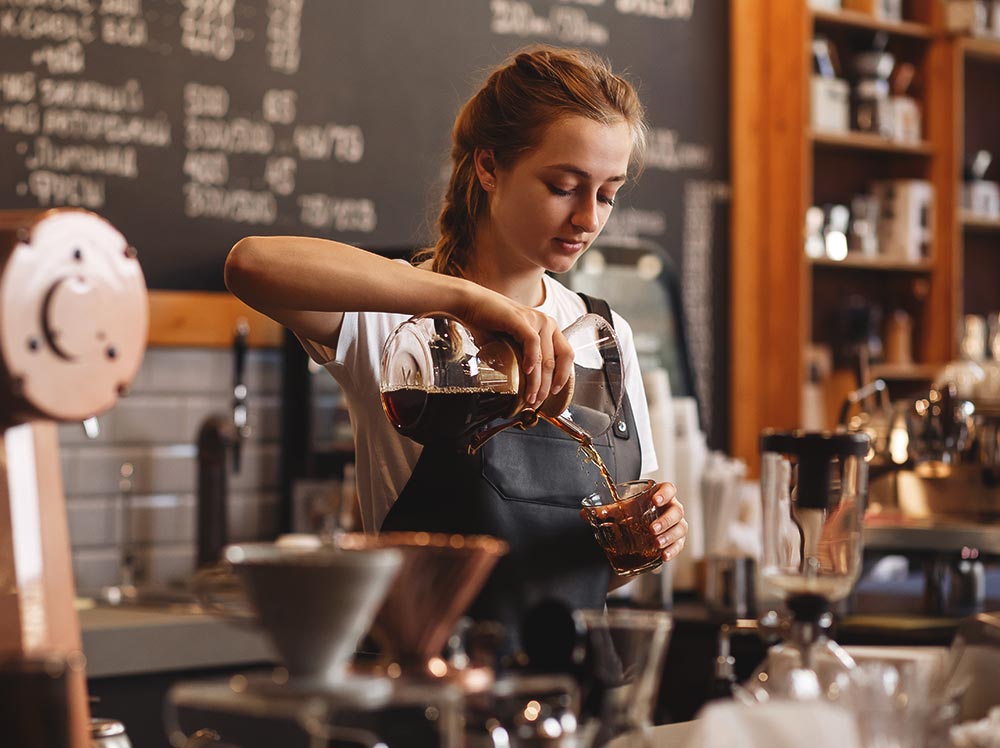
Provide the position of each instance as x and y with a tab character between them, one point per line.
523	285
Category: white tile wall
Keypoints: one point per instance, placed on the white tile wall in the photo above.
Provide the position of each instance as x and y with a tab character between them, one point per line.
155	429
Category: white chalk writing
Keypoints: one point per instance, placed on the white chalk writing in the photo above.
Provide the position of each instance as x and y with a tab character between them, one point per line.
340	214
205	101
279	172
279	106
698	283
284	24
208	27
20	118
131	8
666	151
111	127
566	24
115	160
31	23
60	58
17	86
207	167
319	142
49	188
86	94
237	135
241	206
125	32
666	9
79	6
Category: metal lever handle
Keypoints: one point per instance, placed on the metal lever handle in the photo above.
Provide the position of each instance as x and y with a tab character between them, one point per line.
876	387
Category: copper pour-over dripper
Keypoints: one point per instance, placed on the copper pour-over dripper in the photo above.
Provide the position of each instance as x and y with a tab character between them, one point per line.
439	577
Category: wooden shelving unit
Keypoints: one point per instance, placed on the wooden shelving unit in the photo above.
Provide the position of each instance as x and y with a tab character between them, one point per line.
876	264
865	142
858	20
980	48
977	239
972	222
912	372
782	300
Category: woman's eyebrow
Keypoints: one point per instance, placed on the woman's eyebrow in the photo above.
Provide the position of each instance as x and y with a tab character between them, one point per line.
583	173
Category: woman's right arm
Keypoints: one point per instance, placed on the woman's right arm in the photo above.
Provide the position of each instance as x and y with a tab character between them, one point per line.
307	284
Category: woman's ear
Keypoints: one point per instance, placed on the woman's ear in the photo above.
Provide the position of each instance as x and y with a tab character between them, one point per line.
486	168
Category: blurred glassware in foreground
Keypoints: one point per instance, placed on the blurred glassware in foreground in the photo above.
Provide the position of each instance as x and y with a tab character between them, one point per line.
625	653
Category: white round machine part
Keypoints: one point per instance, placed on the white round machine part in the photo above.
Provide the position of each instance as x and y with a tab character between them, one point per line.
73	315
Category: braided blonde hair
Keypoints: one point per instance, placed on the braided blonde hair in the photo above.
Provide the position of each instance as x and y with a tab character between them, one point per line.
509	116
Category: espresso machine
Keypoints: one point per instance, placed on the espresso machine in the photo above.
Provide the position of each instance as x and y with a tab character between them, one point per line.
73	325
935	495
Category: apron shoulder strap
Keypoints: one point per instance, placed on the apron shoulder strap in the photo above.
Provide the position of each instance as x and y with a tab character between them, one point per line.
612	359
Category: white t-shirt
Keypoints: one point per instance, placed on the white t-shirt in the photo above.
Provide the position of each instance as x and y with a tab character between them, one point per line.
384	458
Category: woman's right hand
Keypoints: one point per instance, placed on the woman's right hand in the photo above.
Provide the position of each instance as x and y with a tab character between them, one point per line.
547	360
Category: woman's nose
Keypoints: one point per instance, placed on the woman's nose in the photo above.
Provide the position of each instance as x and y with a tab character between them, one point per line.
585	217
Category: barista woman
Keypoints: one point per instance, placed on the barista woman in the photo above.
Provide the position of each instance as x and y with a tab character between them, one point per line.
538	156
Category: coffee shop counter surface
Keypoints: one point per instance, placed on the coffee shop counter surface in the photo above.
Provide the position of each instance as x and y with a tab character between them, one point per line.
137	640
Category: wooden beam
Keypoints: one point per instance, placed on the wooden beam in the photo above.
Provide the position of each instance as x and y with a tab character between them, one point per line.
747	234
206	319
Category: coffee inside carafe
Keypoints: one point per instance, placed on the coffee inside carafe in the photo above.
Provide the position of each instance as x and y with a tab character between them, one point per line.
425	414
439	385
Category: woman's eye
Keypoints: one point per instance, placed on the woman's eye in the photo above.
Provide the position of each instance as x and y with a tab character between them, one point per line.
609	201
559	192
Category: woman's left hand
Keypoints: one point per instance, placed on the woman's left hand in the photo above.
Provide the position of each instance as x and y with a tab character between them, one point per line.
670	526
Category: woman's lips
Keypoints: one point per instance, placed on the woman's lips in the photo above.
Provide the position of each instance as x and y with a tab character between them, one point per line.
569	246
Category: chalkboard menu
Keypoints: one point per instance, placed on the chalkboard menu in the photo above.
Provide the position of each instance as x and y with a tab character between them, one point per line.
192	123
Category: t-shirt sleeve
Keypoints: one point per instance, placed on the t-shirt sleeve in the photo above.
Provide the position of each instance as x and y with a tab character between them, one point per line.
342	360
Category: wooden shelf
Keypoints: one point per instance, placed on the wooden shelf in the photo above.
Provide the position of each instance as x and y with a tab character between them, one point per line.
981	48
865	142
972	222
886	264
858	20
908	372
206	319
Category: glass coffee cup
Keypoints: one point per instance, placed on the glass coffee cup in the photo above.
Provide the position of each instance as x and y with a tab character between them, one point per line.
623	526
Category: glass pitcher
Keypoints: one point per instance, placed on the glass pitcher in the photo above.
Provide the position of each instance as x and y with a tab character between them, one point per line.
440	384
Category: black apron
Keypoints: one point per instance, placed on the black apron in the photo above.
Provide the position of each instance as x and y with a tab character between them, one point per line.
524	486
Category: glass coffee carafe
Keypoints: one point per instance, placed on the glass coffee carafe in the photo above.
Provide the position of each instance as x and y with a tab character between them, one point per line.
814	487
441	383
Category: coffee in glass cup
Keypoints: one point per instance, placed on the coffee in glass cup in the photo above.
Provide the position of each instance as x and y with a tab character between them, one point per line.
623	527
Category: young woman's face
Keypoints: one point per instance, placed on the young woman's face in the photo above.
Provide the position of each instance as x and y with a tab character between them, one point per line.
548	207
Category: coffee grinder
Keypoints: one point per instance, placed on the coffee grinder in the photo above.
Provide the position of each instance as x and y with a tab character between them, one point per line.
73	323
814	487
